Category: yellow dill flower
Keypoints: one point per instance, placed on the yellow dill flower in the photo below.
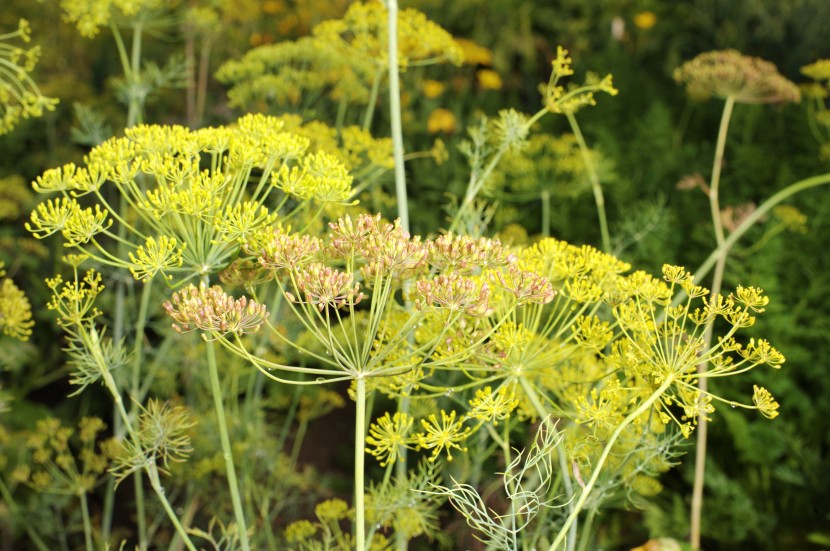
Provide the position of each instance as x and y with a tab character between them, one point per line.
155	256
15	309
432	88
84	224
441	120
474	54
488	79
239	222
493	407
645	20
388	436
819	70
20	97
764	401
362	32
446	434
300	531
51	217
73	300
332	510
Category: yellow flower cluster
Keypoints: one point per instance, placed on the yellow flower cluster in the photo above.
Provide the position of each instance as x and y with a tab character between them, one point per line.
559	100
184	218
90	15
361	34
15	309
20	97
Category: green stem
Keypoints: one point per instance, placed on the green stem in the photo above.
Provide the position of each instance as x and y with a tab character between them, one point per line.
599	198
87	523
227	452
585	540
8	499
545	196
298	442
717	282
586	491
359	460
757	214
134	115
373	98
395	113
136	395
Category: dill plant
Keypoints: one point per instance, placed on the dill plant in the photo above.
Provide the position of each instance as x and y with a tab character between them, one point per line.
474	341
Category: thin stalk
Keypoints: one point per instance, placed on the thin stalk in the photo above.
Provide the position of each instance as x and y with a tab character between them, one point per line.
757	214
717	282
605	453
227	452
135	116
395	113
545	197
138	485
585	540
599	198
87	523
373	98
359	460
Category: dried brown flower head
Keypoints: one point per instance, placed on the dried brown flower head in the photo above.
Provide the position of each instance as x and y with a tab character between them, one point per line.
728	73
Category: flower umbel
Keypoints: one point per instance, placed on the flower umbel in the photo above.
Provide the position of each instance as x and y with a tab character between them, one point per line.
210	309
446	434
388	435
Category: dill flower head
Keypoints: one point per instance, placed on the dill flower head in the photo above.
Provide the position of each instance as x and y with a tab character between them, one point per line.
818	71
445	434
156	256
276	249
388	436
15	309
324	287
454	293
362	33
20	97
493	407
464	255
728	73
210	309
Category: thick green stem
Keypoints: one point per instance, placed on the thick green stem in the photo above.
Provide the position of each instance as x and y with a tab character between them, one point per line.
359	464
586	491
717	282
227	452
599	198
